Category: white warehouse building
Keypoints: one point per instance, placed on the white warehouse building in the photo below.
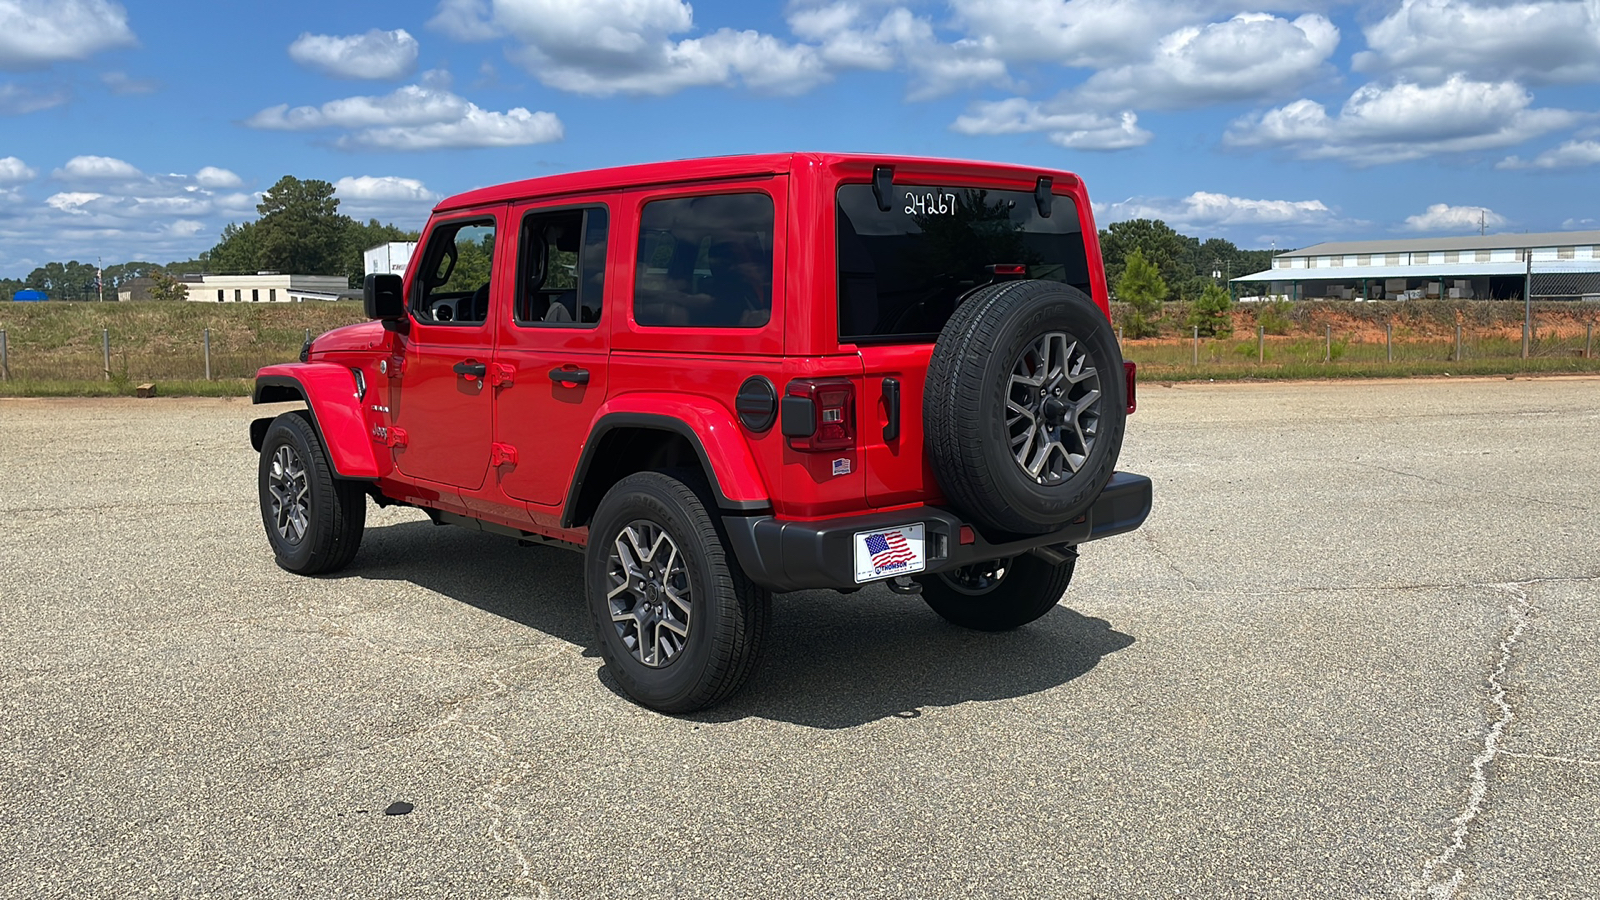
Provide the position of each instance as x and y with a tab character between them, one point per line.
1553	265
265	288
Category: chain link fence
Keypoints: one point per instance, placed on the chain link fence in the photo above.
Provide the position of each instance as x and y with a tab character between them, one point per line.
1309	338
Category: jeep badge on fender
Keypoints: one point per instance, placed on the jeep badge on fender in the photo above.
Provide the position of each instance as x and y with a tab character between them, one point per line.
723	378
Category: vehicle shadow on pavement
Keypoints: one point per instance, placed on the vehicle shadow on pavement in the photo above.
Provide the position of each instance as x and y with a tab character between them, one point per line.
838	661
832	661
540	587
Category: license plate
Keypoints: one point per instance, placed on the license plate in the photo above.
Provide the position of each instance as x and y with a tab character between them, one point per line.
889	552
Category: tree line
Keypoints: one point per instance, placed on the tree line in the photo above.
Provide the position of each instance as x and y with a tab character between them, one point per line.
1148	264
300	231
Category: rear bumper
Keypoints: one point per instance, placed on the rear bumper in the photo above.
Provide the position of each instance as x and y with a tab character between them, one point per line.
791	556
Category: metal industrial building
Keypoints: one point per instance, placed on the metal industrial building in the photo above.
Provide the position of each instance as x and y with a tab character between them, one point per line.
1554	265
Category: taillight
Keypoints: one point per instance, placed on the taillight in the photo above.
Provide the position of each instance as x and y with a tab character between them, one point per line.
820	414
1128	370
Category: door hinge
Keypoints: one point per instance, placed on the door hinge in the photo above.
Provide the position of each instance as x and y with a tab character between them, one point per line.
396	437
393	366
502	455
501	374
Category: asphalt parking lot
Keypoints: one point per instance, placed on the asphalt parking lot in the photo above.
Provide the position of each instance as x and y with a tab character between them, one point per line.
1352	654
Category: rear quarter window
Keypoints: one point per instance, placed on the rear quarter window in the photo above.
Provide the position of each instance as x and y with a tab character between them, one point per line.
705	262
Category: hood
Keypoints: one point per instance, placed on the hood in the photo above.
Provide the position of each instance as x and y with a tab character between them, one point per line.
360	336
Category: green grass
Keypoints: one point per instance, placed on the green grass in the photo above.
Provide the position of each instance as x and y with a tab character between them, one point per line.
55	348
227	387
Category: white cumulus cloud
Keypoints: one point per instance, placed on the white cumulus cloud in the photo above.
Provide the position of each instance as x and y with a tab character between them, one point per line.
602	47
213	177
1074	130
1079	33
1250	56
1444	217
1381	124
1570	155
1210	209
858	34
376	55
387	197
15	171
1533	42
414	117
36	33
97	168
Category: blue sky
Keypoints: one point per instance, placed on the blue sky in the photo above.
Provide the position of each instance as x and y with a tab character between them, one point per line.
137	130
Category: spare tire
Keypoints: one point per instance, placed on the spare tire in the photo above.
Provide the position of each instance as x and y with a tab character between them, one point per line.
1024	406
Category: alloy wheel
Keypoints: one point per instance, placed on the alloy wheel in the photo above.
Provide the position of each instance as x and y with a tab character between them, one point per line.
291	494
1053	407
649	595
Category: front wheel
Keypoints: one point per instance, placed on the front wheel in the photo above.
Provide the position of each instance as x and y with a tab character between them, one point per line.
999	594
314	520
679	624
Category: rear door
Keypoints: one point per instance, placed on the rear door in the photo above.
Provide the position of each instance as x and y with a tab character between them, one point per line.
552	364
902	273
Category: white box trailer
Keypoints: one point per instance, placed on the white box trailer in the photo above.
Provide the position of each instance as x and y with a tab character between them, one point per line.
391	258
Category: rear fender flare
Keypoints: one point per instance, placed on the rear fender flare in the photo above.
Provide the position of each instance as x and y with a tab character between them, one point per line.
708	427
329	392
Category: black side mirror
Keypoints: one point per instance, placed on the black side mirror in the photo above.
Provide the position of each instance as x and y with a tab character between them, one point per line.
384	296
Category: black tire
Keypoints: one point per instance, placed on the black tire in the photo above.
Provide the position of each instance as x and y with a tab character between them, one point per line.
1027	588
969	426
326	533
723	621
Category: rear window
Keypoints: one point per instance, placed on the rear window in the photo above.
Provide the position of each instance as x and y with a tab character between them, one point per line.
903	272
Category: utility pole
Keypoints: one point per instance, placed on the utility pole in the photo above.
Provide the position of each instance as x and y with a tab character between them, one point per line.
1527	309
100	277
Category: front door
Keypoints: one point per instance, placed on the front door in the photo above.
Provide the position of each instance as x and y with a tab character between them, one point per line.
553	347
441	401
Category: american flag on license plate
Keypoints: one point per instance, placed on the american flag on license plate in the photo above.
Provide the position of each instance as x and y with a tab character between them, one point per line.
889	550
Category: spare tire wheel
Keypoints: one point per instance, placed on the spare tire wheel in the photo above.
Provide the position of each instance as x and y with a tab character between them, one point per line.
1024	407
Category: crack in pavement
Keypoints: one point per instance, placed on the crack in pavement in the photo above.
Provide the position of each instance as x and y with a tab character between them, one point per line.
520	769
1149	539
1434	883
1462	487
1545	757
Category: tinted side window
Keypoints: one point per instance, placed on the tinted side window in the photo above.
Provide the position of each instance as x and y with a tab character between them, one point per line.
705	262
452	287
562	268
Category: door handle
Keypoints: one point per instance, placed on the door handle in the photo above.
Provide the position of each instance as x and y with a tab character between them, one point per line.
569	376
891	399
470	370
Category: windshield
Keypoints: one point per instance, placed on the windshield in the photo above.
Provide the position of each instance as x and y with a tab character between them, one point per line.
902	272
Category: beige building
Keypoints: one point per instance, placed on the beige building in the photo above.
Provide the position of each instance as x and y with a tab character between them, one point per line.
265	288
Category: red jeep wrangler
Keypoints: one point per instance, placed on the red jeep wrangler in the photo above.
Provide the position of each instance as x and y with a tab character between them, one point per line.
721	378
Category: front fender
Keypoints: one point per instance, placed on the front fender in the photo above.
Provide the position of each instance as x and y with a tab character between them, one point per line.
709	427
329	390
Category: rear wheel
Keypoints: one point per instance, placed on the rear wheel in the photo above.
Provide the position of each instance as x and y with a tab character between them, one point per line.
999	594
314	521
679	624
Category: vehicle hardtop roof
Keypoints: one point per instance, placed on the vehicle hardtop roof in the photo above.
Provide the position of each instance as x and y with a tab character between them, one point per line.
710	168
